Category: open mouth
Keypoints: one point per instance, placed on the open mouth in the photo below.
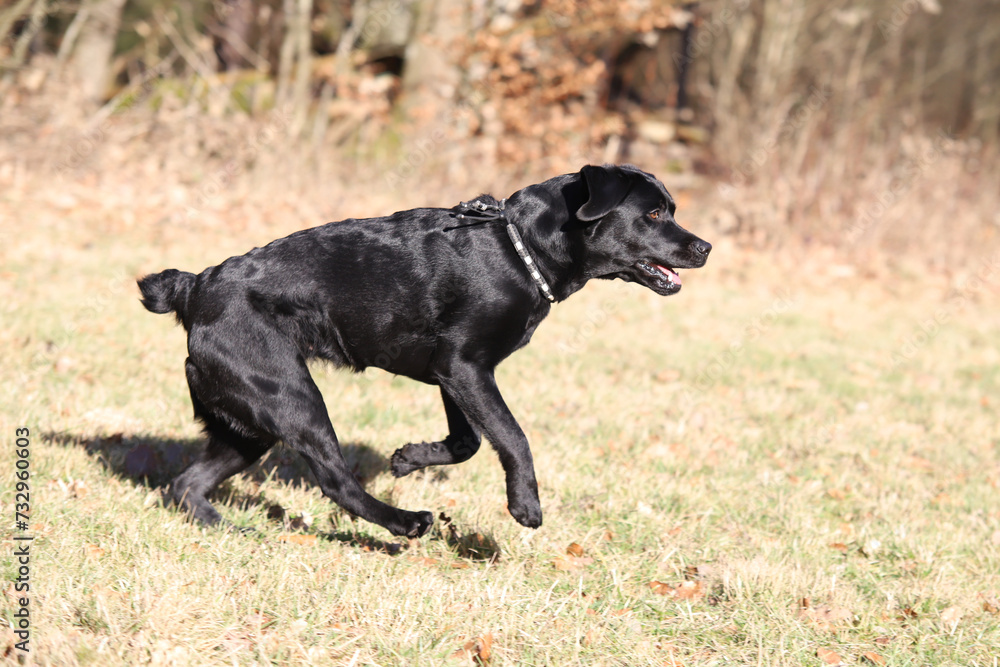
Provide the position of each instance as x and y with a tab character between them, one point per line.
661	279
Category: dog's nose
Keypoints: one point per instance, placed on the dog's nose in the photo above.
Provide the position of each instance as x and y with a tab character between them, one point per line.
701	247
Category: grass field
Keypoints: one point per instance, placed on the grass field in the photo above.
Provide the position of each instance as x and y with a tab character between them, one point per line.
792	462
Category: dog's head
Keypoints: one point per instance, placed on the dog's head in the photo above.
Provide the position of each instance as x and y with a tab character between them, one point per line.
630	233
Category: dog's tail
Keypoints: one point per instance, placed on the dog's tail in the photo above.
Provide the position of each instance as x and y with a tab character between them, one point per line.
167	291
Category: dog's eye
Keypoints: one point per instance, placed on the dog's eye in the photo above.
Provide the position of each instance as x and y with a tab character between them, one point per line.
654	214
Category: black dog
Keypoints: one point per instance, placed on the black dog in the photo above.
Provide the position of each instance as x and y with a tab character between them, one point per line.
438	295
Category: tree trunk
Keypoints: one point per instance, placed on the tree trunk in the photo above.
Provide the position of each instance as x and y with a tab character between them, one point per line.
296	61
431	73
92	44
233	34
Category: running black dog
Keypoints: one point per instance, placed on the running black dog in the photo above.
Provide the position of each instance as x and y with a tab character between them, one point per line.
438	295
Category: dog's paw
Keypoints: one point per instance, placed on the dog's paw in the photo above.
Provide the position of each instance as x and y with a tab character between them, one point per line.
400	463
415	524
527	513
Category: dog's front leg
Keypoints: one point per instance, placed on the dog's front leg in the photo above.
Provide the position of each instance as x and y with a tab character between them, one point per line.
475	391
462	442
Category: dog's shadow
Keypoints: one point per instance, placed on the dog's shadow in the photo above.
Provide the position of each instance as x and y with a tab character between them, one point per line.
153	462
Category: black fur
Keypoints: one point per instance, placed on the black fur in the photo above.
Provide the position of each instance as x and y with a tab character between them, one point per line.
419	293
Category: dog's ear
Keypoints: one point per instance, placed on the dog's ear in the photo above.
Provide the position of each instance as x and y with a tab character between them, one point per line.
606	188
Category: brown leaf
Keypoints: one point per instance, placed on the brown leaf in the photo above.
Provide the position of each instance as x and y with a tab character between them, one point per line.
424	560
951	616
568	562
485	646
829	656
301	522
479	650
94	551
825	617
575	549
918	463
839	546
836	494
661	588
687	590
873	658
297	538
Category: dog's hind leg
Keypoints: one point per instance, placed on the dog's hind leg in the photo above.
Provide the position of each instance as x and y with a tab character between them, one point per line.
462	442
226	454
257	379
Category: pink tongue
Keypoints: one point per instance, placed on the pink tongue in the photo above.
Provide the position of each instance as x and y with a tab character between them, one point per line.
667	272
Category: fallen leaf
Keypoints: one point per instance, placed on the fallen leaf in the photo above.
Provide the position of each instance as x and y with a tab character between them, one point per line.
568	562
918	463
424	560
479	650
485	646
687	590
829	656
883	641
836	494
298	538
575	549
661	588
873	658
825	617
94	551
839	546
951	616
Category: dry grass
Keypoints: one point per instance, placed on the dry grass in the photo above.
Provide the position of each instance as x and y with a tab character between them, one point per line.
780	432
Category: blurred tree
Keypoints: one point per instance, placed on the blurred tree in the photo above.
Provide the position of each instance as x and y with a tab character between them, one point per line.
89	44
232	30
431	73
